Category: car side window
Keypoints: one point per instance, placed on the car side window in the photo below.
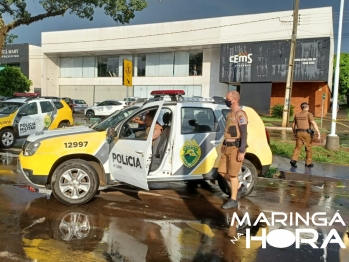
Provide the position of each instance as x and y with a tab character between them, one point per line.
225	113
198	120
103	103
30	109
46	106
115	103
58	105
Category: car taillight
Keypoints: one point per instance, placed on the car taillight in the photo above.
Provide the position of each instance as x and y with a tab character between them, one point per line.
75	105
268	137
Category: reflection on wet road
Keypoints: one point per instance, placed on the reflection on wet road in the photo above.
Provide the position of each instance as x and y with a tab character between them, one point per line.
171	222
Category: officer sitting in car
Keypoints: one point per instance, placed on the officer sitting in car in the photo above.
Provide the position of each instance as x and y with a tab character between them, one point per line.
149	118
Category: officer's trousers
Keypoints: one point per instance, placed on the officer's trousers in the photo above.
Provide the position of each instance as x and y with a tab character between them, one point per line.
303	138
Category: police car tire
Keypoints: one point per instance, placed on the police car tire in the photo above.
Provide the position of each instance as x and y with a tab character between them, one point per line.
225	187
75	164
63	125
7	130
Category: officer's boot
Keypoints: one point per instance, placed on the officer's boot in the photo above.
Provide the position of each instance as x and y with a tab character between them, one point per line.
293	163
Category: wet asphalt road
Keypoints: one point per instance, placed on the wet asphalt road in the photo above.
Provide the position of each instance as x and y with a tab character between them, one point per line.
171	222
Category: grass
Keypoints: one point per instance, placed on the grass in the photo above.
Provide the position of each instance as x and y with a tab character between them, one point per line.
320	153
347	111
271	172
267	119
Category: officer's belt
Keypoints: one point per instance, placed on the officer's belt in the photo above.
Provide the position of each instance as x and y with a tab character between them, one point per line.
235	143
302	130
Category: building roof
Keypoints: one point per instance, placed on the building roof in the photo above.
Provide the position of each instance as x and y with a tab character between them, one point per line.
314	23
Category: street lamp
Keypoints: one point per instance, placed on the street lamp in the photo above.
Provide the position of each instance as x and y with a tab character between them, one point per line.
332	141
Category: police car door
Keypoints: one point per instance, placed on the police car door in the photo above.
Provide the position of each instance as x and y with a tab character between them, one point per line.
130	156
46	115
200	132
28	119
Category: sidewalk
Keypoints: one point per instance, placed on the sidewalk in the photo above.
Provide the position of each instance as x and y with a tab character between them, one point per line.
320	169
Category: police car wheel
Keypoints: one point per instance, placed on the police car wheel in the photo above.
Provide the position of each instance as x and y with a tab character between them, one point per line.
75	182
247	178
90	114
7	138
63	125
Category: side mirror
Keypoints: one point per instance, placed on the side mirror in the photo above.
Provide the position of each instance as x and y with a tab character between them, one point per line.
111	134
193	122
22	114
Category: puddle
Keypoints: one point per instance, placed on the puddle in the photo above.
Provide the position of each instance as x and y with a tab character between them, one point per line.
97	236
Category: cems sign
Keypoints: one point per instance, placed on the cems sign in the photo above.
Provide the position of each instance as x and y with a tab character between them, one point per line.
244	58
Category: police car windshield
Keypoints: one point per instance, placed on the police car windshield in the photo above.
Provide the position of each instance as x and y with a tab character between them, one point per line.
9	107
114	119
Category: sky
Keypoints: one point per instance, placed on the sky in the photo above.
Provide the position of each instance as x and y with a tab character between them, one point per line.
177	10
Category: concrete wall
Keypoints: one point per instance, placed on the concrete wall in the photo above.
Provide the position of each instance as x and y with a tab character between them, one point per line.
210	31
50	75
210	84
303	92
35	67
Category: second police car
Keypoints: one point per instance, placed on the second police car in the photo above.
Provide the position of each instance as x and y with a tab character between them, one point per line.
22	116
86	160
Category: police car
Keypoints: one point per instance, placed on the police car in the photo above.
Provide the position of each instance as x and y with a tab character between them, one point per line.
86	160
22	116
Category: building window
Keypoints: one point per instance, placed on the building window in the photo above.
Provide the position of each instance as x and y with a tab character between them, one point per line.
77	67
141	62
195	63
181	63
159	64
108	66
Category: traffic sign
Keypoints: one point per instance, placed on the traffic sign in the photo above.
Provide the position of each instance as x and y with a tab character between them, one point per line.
323	96
127	73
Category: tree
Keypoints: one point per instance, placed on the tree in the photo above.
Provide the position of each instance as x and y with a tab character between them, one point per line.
12	80
343	87
121	11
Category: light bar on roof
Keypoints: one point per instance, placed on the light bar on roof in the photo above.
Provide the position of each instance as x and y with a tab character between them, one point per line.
167	92
198	99
26	94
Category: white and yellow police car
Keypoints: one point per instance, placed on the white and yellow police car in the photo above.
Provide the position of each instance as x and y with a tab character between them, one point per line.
76	162
20	117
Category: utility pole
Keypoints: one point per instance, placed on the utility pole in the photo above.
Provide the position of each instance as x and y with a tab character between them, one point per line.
289	81
332	141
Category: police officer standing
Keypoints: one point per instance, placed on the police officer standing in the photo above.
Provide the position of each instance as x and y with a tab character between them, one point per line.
234	147
301	127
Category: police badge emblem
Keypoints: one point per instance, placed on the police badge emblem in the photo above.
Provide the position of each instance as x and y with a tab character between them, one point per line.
47	121
190	153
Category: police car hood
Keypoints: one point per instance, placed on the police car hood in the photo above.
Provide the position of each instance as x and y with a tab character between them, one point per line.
58	132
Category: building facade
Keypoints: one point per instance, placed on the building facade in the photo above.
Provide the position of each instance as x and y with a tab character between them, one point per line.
206	57
28	58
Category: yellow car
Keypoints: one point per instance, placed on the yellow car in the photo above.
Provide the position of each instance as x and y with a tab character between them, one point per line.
20	117
85	160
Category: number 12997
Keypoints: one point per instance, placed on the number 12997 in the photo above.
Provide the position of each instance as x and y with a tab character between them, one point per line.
76	144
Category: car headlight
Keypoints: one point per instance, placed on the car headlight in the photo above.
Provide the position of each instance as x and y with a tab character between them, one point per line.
31	148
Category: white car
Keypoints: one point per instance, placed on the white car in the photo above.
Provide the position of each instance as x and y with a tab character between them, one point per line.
104	108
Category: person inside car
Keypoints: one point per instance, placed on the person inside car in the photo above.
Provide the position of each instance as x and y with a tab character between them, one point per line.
149	118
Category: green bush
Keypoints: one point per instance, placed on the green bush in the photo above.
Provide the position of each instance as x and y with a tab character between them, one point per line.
277	110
